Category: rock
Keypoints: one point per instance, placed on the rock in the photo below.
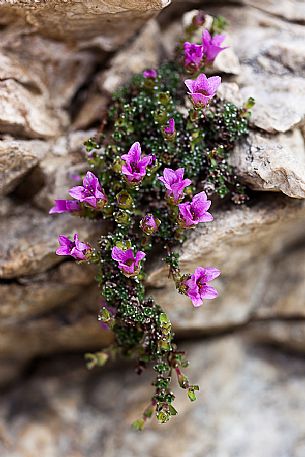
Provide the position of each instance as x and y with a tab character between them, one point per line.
230	92
60	169
63	409
32	296
285	289
287	334
72	326
222	243
93	109
245	244
291	10
28	247
143	53
274	162
25	113
226	62
17	157
271	66
72	20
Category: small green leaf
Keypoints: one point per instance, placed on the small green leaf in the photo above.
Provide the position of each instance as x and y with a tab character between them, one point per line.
138	424
172	410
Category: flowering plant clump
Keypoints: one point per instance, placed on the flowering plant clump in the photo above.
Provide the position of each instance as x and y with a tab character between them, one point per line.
157	162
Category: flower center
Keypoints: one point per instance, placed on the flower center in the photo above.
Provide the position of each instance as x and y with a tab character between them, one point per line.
129	262
135	167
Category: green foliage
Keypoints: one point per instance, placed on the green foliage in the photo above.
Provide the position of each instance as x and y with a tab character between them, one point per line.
202	143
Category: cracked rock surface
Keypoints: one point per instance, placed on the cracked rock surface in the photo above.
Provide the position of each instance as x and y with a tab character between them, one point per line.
59	63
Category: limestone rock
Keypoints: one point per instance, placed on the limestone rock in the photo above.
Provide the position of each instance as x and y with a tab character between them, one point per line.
292	10
271	66
17	157
274	162
143	53
73	20
63	409
25	113
285	287
238	237
60	169
287	334
28	247
32	296
245	244
73	326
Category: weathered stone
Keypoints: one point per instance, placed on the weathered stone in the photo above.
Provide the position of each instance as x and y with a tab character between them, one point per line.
73	326
35	295
244	244
28	247
17	157
61	167
292	10
270	71
62	409
274	162
285	287
25	113
287	334
72	20
238	237
143	53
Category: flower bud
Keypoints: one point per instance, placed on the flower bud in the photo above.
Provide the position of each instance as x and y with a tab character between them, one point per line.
169	131
117	165
150	224
164	98
122	217
124	200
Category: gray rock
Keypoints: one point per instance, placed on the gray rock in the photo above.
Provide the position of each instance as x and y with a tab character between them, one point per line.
17	157
275	163
143	53
251	404
28	247
32	296
73	326
25	113
72	20
272	67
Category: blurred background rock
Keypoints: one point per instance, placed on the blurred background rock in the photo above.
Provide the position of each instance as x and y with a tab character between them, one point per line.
60	61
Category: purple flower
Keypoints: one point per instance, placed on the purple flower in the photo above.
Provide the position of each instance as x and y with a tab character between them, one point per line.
151	74
212	45
191	213
193	54
197	285
65	206
150	224
128	263
135	164
169	130
90	192
202	89
174	183
75	248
